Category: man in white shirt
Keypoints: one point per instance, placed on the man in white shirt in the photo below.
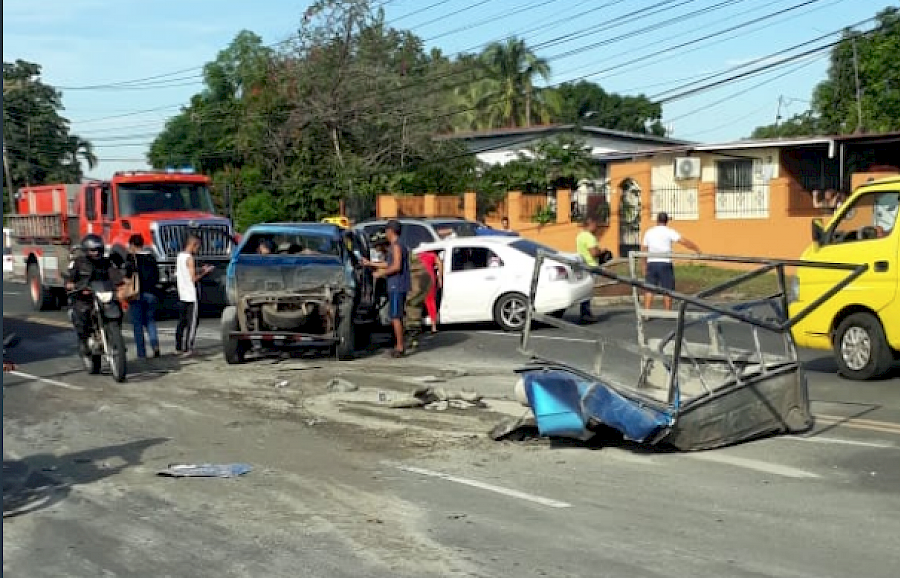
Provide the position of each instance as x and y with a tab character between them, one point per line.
187	278
658	242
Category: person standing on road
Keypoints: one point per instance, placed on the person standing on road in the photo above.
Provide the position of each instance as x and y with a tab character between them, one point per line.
434	268
187	279
658	243
143	306
395	270
420	285
589	249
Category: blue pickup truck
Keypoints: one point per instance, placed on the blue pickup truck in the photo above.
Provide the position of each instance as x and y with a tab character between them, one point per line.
299	284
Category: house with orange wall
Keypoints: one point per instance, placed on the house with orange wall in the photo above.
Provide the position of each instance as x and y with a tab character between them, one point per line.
751	197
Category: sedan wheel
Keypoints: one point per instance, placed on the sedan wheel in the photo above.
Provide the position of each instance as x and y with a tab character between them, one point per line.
511	311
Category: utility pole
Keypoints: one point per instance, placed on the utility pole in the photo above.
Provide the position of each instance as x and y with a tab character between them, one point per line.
859	120
778	110
9	187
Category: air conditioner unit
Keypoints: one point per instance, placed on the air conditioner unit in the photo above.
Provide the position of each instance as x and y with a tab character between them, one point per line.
687	168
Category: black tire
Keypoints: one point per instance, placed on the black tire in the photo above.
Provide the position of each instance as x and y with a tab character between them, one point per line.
559	313
861	349
118	364
510	311
345	349
234	349
41	296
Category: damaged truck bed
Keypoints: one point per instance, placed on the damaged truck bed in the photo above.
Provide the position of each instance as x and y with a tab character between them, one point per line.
685	382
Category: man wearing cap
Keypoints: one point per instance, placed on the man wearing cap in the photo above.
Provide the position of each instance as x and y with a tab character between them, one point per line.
658	243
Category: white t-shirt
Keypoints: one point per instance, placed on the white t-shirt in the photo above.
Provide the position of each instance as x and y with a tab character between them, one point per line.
187	289
659	239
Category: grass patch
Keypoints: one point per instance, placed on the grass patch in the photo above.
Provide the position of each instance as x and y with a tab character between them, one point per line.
692	277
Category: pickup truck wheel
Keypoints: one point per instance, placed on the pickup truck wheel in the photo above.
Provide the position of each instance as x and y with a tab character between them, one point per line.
510	311
346	334
233	348
41	297
861	349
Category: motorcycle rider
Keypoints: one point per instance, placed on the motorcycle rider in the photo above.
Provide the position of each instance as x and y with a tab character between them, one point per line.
85	268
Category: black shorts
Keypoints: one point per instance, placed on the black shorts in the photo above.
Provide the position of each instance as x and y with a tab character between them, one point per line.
661	275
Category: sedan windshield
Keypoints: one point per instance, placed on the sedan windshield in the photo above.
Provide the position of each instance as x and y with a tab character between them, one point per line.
136	198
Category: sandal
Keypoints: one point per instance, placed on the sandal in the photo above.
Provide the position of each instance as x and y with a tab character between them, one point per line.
396	353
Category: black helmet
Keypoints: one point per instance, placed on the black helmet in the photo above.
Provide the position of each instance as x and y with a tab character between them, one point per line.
92	243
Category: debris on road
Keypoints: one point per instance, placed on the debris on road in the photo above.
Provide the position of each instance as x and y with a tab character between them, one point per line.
686	390
340	385
515	429
205	470
439	399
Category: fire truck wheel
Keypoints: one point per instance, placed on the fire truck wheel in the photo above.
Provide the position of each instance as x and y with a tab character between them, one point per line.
41	296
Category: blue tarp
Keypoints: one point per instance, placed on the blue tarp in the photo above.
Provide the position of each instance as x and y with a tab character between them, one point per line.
564	403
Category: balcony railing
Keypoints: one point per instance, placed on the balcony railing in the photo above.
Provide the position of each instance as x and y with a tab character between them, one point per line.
751	202
681	203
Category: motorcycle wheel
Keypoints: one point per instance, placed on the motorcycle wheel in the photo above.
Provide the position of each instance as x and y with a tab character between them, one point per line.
116	353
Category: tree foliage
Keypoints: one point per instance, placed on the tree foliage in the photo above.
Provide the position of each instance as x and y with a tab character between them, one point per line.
835	107
588	104
350	109
39	145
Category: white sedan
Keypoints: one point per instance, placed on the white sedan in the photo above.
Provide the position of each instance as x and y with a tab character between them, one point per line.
489	279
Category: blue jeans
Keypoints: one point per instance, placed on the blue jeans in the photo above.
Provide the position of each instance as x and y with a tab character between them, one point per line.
143	314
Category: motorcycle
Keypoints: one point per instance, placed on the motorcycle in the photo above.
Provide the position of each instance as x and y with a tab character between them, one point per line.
105	341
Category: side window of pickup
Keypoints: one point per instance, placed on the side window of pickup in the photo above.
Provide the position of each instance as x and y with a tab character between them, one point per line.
870	216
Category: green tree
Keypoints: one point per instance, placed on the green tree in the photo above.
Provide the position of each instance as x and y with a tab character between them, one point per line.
587	103
876	55
836	103
514	67
39	145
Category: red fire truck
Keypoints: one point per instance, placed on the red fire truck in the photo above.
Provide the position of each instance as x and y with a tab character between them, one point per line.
163	206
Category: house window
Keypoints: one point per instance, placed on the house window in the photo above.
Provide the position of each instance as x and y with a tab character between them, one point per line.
737	196
735	174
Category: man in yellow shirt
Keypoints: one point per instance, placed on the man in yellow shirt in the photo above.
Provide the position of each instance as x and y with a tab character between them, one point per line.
589	248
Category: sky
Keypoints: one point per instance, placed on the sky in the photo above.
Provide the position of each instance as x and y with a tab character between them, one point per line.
627	46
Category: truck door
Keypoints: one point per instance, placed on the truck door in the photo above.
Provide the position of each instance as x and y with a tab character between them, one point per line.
107	213
90	218
865	231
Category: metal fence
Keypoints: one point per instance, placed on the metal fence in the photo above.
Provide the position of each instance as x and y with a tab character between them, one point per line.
681	203
743	203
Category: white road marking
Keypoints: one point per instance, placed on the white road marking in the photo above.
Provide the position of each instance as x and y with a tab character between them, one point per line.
758	465
201	334
547	337
30	377
839	441
489	487
12	292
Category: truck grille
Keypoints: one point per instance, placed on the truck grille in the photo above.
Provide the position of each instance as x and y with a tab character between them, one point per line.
215	240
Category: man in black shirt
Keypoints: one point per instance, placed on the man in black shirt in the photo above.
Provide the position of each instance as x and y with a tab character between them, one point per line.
89	266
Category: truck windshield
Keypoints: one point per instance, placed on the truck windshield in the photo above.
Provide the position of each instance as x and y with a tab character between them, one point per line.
135	198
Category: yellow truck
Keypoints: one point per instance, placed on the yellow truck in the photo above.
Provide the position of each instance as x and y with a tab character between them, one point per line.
861	323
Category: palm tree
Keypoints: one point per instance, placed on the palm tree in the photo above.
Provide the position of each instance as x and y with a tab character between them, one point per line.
79	149
477	104
514	66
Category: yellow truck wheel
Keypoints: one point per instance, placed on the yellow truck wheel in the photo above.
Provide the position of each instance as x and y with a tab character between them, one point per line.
861	349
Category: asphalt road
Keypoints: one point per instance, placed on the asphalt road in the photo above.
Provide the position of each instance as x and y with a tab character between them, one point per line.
332	502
